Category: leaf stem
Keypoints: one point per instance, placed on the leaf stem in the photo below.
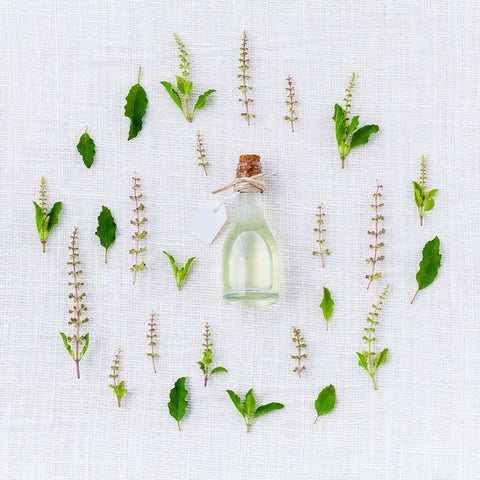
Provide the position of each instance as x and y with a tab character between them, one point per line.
139	74
43	245
105	255
414	297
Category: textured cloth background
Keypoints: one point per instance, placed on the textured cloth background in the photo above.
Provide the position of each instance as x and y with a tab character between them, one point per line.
68	64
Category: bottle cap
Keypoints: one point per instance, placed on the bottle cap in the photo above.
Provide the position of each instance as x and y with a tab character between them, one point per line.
248	166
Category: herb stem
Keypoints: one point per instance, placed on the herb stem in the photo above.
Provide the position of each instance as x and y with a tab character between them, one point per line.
135	186
43	245
415	296
77	307
376	238
139	74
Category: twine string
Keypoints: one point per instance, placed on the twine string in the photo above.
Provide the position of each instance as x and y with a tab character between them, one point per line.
252	184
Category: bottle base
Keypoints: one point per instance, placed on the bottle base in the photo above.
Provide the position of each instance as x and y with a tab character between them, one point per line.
251	298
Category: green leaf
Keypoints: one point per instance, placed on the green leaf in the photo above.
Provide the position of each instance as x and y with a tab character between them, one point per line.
180	84
177	403
327	304
119	390
38	219
381	358
429	264
135	108
106	229
339	118
325	401
218	369
86	148
188	88
172	263
269	407
362	361
431	193
249	404
53	216
180	273
85	346
429	201
353	126
67	345
173	94
202	366
417	191
236	401
362	135
202	99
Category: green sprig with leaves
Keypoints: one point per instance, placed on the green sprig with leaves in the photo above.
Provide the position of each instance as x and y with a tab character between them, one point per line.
368	359
178	403
325	401
327	305
185	86
429	265
138	223
423	199
136	107
152	335
206	361
118	387
349	136
106	229
44	219
202	157
300	345
247	408
244	87
291	102
180	273
76	345
377	233
320	230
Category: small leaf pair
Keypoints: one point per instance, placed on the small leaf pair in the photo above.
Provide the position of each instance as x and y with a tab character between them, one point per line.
178	404
247	408
423	199
429	265
180	273
349	136
44	219
207	358
184	86
118	387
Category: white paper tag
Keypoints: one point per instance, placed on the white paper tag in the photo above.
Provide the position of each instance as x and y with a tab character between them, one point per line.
208	221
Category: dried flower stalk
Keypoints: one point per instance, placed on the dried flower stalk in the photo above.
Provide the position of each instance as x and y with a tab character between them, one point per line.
118	387
377	233
73	343
202	162
291	102
244	87
139	233
300	345
321	230
152	343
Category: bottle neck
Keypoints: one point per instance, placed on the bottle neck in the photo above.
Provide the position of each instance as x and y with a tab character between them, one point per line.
250	208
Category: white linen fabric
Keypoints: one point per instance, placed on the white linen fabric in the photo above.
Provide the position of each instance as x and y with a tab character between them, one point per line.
65	65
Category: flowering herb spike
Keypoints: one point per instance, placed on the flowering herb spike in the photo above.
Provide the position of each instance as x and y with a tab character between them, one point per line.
106	229
245	79
327	305
138	223
86	148
423	199
377	233
325	401
180	273
152	343
177	404
321	230
77	312
247	408
291	102
136	107
429	265
44	219
202	158
300	345
118	387
368	359
184	85
349	136
207	358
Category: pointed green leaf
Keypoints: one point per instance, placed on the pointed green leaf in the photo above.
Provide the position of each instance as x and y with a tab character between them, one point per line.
202	366
177	404
38	218
67	345
53	216
432	193
86	148
327	304
202	99
106	229
325	401
172	263
362	135
417	191
188	88
249	404
135	108
339	118
353	126
362	361
180	84
236	401
429	264
85	345
269	407
381	358
429	201
173	94
218	369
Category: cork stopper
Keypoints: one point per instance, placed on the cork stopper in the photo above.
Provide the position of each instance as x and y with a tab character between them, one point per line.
248	166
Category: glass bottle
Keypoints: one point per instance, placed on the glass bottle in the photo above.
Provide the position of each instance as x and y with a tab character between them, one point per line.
250	257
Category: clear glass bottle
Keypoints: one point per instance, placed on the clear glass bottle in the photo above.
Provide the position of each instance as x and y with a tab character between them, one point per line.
250	257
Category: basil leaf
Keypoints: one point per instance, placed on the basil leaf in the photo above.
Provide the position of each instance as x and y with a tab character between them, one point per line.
202	99
417	190
106	229
218	369
67	345
177	404
269	407
362	135
86	148
325	401
362	361
339	118
136	107
327	304
202	366
85	346
381	358
38	218
180	84
180	273
249	405
173	94
429	265
352	127
53	216
236	401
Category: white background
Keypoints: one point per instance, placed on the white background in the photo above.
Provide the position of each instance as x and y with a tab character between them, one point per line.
65	65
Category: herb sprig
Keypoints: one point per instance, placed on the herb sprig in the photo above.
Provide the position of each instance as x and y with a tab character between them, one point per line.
300	345
184	85
206	361
322	252
180	273
138	223
244	87
118	387
202	157
291	102
377	233
44	219
152	335
423	199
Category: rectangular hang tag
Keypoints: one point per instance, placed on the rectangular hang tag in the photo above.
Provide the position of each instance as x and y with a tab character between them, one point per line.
208	221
